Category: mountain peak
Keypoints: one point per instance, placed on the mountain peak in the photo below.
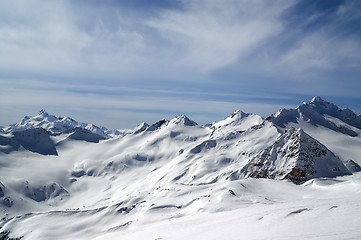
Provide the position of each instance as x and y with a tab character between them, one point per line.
43	112
55	125
157	125
316	99
295	156
141	127
183	119
323	104
238	113
240	119
319	112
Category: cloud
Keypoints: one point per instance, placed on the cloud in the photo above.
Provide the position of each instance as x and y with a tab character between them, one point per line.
327	47
209	35
123	109
193	56
61	38
65	38
50	37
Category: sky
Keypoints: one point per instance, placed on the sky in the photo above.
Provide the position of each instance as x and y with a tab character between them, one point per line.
119	63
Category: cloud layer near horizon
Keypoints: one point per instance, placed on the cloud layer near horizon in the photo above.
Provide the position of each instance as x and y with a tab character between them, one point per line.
184	54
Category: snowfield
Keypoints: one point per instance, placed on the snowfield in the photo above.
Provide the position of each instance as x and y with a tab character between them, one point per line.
293	175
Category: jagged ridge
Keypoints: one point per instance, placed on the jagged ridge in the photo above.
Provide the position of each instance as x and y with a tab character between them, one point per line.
316	113
57	125
295	156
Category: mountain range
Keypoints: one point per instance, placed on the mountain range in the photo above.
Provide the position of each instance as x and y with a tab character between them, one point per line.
132	181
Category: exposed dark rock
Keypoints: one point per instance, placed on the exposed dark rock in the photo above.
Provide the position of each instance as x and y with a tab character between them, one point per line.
84	135
204	145
36	140
295	156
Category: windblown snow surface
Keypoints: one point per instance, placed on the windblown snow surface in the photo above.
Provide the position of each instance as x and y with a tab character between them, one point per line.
293	175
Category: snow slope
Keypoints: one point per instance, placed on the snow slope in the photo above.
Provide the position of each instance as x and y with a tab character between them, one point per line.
175	179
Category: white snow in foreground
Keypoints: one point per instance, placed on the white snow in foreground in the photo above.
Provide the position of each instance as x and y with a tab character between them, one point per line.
177	180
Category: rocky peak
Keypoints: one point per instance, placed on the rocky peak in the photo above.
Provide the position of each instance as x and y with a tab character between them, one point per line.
317	99
43	112
295	156
239	114
36	140
140	128
157	125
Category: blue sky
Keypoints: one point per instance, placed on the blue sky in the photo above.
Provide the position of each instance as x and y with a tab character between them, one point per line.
118	63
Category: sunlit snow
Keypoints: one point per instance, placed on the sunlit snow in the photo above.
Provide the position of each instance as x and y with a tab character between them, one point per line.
293	175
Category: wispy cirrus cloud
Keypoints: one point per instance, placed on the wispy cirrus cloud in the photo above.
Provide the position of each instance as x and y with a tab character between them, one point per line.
125	112
210	35
49	37
167	56
325	40
202	36
126	107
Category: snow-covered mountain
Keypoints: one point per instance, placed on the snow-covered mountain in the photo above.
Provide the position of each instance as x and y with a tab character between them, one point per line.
320	113
34	139
295	174
338	129
43	132
57	125
295	156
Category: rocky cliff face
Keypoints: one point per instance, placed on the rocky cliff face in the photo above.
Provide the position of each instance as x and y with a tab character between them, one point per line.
295	156
35	140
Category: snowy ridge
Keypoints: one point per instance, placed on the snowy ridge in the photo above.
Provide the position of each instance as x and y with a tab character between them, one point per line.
316	113
338	129
41	133
140	128
247	120
242	176
57	125
237	121
326	108
184	120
